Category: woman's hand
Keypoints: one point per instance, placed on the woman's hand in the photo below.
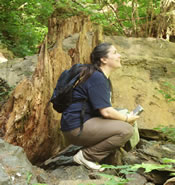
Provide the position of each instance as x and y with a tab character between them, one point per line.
132	118
111	113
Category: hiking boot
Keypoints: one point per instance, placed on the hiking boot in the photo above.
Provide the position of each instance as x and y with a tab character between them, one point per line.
79	158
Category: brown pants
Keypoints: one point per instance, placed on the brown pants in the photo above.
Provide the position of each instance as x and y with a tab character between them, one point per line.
100	137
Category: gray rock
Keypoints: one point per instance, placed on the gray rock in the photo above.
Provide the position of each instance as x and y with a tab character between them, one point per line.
13	71
152	152
71	173
14	165
4	178
16	169
70	42
14	157
136	179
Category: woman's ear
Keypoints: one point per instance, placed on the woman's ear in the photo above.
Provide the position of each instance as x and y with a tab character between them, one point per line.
103	60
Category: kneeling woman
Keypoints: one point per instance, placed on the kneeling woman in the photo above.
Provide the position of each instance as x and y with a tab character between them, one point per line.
104	128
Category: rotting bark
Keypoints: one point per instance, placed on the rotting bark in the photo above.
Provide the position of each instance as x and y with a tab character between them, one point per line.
26	119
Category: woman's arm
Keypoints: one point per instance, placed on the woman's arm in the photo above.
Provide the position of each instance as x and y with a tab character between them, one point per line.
111	113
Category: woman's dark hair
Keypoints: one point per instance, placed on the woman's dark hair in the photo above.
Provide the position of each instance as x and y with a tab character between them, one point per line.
100	51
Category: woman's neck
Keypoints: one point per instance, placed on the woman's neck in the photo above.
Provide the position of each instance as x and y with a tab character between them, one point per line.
106	71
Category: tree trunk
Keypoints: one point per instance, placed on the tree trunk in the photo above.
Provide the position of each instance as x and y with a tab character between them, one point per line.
165	22
26	120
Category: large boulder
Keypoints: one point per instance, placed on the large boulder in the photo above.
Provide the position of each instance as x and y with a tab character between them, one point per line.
17	69
16	169
148	63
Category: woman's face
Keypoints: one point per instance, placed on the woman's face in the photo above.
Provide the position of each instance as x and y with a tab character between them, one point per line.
113	58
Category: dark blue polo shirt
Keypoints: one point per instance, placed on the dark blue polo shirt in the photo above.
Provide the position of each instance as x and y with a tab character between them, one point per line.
97	90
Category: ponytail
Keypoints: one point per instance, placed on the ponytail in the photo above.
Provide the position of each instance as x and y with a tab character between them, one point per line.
100	51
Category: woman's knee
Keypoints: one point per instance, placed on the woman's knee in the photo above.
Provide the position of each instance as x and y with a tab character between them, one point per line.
128	131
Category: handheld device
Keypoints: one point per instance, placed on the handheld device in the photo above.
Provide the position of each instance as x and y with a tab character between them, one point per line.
138	110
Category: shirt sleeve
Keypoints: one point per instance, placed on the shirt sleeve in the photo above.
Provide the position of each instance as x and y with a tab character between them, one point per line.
99	95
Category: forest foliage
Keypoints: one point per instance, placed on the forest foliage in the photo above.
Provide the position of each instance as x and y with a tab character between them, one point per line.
24	22
122	17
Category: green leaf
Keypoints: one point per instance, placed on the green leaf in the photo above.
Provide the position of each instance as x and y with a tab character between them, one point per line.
29	176
149	167
167	160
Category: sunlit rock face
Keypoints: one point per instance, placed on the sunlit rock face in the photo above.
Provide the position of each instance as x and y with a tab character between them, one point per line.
147	65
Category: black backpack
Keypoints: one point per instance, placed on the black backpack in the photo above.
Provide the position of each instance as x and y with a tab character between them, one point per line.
62	94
